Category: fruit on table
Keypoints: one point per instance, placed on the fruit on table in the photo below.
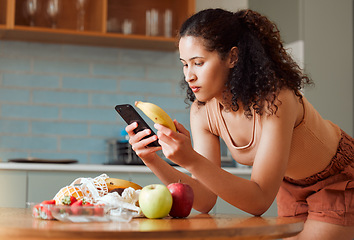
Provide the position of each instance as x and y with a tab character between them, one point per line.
81	198
69	191
82	207
68	200
156	114
99	210
155	201
42	210
76	207
118	190
113	183
48	202
183	197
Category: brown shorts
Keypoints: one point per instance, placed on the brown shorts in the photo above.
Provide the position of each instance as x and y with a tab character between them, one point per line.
327	196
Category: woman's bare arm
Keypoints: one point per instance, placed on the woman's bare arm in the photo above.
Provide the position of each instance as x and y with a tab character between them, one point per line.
204	199
256	195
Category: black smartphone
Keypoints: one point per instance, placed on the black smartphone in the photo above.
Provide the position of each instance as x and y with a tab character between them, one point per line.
130	115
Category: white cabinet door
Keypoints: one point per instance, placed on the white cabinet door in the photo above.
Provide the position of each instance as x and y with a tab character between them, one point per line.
13	189
44	185
144	179
224	207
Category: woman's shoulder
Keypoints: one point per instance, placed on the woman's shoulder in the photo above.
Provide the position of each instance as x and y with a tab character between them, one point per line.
289	92
201	115
198	109
288	99
289	107
202	108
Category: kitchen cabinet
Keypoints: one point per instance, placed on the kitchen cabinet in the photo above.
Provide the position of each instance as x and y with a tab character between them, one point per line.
113	23
13	188
224	207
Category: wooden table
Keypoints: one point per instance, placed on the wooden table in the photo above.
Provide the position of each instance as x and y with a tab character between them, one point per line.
17	224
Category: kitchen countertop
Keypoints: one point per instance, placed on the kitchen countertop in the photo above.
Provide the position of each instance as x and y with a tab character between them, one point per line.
96	168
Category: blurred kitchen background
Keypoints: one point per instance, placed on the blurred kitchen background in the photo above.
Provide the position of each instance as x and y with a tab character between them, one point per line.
57	100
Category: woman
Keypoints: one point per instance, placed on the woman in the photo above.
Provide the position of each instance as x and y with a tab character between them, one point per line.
245	88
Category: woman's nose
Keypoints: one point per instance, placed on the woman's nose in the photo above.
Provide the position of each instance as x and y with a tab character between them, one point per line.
190	76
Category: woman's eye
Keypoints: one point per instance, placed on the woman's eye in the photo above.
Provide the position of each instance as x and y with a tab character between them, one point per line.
198	64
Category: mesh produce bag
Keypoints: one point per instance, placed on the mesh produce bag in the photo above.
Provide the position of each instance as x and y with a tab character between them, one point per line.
89	189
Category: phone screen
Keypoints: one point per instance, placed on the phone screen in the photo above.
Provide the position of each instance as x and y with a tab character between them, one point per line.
130	115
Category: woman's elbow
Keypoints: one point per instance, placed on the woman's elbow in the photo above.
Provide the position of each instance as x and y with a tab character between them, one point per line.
259	208
204	206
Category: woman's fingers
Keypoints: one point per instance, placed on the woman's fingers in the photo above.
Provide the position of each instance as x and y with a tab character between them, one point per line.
181	128
165	134
136	137
138	140
168	136
130	128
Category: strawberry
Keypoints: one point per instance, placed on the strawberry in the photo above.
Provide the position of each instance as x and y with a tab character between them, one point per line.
42	210
48	202
68	200
46	213
36	211
76	207
77	203
88	208
87	204
99	210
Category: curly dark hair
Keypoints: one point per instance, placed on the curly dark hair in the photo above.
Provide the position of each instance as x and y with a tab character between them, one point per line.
263	67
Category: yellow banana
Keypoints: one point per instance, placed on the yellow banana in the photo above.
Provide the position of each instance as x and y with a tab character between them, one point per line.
156	114
113	183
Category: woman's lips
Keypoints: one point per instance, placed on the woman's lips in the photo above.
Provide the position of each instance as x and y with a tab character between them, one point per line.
195	89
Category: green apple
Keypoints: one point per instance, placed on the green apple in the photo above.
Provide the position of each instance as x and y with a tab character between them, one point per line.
155	201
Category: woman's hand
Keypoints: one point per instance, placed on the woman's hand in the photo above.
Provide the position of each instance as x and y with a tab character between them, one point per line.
139	144
176	146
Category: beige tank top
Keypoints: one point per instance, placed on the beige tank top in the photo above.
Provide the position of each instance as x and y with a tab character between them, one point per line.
314	139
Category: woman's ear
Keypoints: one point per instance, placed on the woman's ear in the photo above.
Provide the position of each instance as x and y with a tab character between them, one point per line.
233	57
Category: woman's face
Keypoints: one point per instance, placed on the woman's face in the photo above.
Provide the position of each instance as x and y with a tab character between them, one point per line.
205	72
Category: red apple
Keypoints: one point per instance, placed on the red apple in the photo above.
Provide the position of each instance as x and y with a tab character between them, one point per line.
183	197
